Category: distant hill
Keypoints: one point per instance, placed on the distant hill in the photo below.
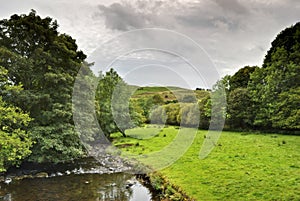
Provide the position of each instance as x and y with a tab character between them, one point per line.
168	93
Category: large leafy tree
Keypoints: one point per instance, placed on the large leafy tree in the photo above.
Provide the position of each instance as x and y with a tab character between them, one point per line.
289	40
239	113
45	62
15	142
275	87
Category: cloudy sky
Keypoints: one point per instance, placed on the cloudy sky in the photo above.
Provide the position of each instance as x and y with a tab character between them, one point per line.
189	43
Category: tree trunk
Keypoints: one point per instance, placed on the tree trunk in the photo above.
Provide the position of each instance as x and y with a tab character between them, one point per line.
123	133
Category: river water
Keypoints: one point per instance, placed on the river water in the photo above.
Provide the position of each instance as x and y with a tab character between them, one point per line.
75	184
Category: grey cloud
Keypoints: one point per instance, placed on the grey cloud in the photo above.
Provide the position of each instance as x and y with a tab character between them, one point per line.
217	22
232	6
126	16
122	17
140	14
226	15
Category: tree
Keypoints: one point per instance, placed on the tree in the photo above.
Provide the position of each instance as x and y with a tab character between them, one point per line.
158	115
222	85
189	115
136	112
287	113
113	104
239	109
46	64
15	142
239	103
289	40
205	111
218	103
144	105
172	111
157	100
189	99
147	104
276	85
241	78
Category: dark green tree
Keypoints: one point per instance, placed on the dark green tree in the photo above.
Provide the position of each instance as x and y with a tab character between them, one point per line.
289	40
287	112
239	109
46	64
241	78
276	85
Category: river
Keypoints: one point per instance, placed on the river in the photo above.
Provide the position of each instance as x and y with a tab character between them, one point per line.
74	182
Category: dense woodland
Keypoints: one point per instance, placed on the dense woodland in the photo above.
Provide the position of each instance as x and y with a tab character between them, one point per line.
38	67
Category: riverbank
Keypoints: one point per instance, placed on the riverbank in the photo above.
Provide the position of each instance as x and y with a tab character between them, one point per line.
164	189
242	166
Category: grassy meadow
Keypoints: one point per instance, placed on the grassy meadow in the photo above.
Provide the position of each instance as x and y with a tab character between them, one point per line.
243	166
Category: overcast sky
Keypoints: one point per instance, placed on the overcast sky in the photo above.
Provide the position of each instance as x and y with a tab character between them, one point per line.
186	43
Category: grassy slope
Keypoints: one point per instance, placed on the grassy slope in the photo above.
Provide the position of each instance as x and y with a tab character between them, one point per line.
252	167
167	93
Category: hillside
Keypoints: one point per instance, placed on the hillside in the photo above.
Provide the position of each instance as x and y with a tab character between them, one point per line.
169	93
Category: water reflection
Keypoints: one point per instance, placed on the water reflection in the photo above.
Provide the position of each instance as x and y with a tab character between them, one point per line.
76	187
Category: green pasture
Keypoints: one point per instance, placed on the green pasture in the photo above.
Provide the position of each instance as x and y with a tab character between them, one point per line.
242	166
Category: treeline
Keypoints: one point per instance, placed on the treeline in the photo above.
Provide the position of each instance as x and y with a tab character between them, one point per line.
258	98
268	98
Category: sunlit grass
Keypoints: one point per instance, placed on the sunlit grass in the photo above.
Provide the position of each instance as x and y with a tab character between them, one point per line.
241	166
146	139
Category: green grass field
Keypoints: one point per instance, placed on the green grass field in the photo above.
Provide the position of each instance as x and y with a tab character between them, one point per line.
243	166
